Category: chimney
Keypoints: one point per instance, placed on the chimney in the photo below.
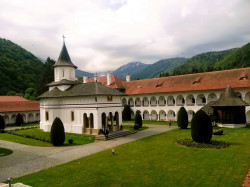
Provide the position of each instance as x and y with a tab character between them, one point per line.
108	78
96	78
127	77
85	79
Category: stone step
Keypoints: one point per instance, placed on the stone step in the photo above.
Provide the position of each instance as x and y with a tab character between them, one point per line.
115	134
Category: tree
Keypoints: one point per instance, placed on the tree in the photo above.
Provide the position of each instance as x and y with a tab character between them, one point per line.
30	94
201	127
182	118
2	123
138	118
57	133
19	120
126	113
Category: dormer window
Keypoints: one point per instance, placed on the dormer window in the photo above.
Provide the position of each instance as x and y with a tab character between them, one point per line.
197	80
109	98
243	76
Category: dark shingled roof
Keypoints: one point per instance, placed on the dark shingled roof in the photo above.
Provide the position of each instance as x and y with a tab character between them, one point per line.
63	82
64	59
229	98
88	89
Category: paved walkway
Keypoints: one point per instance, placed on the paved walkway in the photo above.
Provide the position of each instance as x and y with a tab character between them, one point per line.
28	159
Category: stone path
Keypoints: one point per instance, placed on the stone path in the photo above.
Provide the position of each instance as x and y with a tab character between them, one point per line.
28	159
246	182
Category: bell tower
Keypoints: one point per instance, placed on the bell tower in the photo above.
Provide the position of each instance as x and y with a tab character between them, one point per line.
64	68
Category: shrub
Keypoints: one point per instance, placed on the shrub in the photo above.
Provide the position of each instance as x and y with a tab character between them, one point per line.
2	123
57	134
70	141
136	126
126	113
19	120
201	127
182	118
138	118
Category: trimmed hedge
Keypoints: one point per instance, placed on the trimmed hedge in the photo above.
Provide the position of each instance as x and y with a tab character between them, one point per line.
182	118
136	126
138	118
201	127
57	133
126	113
2	123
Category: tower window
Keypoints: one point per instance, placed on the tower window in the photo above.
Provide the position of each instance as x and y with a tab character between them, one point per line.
109	98
72	116
47	116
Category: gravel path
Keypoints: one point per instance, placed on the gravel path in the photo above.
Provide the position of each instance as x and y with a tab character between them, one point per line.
28	159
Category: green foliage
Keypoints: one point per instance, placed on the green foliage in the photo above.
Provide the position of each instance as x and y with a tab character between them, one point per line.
214	144
57	134
155	69
30	94
19	68
19	120
201	127
136	126
70	141
182	118
201	63
46	77
2	123
138	118
239	58
126	113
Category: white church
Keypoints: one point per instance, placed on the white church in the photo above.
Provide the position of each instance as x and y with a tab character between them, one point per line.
82	107
97	102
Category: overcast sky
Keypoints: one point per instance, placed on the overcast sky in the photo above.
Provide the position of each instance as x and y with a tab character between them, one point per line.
102	35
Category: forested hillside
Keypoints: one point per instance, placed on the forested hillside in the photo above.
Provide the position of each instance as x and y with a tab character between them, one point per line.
239	58
19	70
155	69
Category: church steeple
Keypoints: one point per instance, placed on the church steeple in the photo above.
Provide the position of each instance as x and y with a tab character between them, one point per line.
64	68
64	59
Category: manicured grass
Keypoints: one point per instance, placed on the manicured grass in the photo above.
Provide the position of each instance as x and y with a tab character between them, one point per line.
131	127
5	152
78	139
156	161
153	122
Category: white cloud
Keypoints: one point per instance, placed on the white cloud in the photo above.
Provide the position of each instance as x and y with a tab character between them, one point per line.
105	34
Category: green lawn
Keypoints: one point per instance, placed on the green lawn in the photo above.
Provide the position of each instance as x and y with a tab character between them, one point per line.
131	127
5	152
78	139
155	161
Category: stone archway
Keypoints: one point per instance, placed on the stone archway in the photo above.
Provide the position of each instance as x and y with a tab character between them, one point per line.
104	120
162	115
171	115
154	116
85	123
248	116
190	115
145	115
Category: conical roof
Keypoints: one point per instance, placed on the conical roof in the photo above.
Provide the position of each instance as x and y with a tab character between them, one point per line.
64	59
229	98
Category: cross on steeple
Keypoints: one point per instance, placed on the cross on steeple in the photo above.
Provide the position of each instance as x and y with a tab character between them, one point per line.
63	38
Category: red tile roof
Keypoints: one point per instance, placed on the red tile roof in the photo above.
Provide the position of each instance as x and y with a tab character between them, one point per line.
116	82
12	98
191	82
17	104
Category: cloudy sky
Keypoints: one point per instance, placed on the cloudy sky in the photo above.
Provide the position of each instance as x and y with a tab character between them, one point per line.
102	35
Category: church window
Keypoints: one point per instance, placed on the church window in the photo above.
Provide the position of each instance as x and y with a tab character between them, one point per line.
72	116
47	116
109	98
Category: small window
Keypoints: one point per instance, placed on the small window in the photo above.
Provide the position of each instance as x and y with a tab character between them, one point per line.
72	116
109	98
47	116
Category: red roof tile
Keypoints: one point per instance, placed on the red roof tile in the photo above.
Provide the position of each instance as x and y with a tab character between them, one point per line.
116	82
12	98
18	106
191	82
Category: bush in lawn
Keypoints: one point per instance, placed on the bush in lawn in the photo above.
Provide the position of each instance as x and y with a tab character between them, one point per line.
2	123
182	118
70	141
57	134
201	127
19	120
138	118
136	126
126	113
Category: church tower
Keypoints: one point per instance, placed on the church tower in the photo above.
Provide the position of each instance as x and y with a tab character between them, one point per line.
64	68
